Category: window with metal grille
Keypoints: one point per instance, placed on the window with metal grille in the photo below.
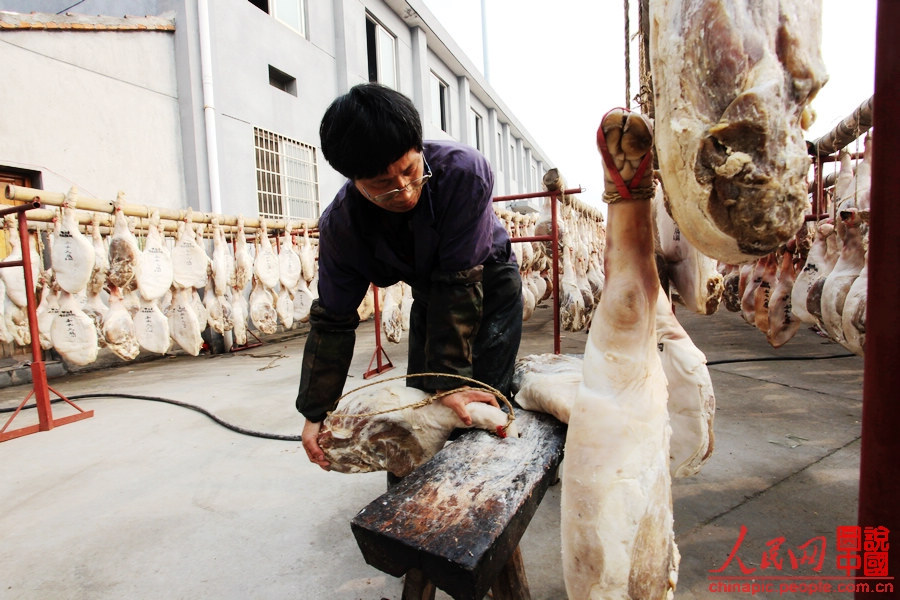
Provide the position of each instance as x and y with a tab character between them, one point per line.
287	177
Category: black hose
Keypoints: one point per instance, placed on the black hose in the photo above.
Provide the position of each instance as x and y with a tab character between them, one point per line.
199	409
775	358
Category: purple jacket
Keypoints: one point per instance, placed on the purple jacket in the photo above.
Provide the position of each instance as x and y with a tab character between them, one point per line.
452	228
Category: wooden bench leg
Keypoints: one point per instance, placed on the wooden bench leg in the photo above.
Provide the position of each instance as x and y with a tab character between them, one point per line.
511	583
416	586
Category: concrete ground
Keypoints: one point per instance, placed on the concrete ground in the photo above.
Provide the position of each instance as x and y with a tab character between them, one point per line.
153	501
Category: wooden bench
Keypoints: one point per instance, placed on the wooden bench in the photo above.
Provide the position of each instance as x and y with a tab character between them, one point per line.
456	521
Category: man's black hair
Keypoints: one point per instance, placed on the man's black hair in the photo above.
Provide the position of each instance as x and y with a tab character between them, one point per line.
367	129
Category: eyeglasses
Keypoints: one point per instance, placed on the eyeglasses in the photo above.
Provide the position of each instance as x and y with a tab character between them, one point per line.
412	186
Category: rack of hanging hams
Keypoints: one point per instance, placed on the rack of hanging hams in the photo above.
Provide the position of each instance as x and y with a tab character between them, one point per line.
818	279
133	279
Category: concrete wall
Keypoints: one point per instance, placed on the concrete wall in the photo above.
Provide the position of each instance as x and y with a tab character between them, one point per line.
94	109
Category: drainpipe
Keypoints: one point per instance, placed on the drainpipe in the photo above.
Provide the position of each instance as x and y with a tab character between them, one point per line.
209	108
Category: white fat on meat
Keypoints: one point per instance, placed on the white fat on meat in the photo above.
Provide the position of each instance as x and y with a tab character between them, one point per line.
853	316
184	324
732	83
764	293
857	191
307	252
616	512
572	312
817	266
693	275
72	254
302	302
284	307
200	309
124	254
783	323
290	270
151	328
5	335
748	298
190	264
366	308
73	333
391	316
262	308
239	314
95	308
100	271
265	266
400	440
14	277
16	321
47	310
852	233
222	263
118	328
218	310
156	274
243	262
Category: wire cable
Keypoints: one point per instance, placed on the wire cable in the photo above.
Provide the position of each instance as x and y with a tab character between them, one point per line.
194	407
775	358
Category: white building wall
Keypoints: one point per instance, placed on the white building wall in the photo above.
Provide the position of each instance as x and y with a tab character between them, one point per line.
94	109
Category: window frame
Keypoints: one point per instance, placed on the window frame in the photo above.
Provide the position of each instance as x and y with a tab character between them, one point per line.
282	191
376	34
440	103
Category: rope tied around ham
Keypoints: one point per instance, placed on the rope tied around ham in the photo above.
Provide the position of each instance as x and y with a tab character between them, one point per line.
501	430
620	155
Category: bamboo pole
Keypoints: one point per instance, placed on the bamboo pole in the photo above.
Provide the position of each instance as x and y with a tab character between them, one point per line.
20	193
853	126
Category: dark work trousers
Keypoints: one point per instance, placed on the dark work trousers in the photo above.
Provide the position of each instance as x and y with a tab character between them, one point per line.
497	341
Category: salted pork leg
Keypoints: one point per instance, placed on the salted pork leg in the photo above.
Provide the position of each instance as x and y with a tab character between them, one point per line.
732	83
616	516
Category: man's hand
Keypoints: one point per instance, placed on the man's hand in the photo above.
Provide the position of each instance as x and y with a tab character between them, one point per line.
458	400
310	437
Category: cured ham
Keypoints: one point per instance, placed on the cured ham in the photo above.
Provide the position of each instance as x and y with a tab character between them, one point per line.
693	275
616	513
853	315
47	309
16	321
400	440
284	307
265	266
572	313
14	277
817	266
783	324
184	325
118	328
222	264
5	335
101	258
243	262
302	302
262	308
190	264
156	274
732	83
307	254
72	254
151	328
124	254
764	293
837	285
73	333
239	314
391	316
218	310
748	298
290	270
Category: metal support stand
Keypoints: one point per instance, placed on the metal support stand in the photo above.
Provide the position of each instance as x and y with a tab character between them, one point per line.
40	389
379	350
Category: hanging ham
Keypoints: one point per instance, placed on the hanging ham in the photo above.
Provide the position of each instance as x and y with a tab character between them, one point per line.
151	328
853	315
14	277
118	328
124	254
184	325
223	271
732	84
155	276
72	254
239	314
307	254
73	333
243	262
783	324
289	267
101	258
852	232
262	308
190	264
265	266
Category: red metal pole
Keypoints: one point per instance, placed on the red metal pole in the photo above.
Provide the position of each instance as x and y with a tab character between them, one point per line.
555	229
879	473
